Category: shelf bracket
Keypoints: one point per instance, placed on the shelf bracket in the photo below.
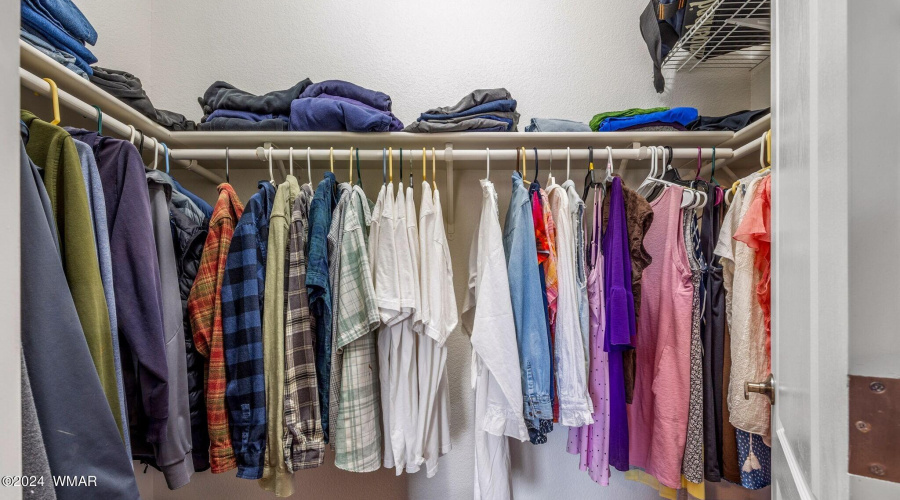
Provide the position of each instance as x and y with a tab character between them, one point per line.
623	163
451	216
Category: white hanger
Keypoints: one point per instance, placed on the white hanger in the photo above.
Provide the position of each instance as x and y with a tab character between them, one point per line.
568	161
488	176
271	174
762	151
609	164
133	133
155	155
550	179
291	160
308	166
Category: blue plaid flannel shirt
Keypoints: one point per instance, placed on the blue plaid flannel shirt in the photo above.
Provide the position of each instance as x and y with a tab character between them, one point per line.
242	303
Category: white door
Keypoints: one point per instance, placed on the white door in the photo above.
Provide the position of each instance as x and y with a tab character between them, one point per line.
810	254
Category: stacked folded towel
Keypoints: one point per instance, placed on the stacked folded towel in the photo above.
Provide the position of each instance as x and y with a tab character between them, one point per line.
336	105
644	119
226	107
484	110
57	28
128	89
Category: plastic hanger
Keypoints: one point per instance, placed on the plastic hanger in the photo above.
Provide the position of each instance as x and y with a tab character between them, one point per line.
141	147
524	169
227	177
488	176
99	119
410	171
401	165
166	148
54	98
391	166
155	155
351	165
537	166
308	166
568	161
291	161
589	181
433	170
384	166
550	180
609	165
133	133
271	174
331	159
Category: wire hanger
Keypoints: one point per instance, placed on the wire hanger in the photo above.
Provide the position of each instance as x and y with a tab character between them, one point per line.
308	166
291	161
54	98
358	172
227	177
488	176
99	119
271	174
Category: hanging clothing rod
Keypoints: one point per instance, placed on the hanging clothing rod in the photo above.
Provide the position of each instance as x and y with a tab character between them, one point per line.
41	87
579	154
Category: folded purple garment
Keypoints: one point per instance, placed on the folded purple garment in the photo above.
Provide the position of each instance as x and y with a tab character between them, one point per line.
396	124
373	98
332	115
244	115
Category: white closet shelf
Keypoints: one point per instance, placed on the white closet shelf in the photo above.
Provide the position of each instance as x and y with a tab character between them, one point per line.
80	95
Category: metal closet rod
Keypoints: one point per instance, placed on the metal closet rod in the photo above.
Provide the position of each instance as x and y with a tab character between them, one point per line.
343	154
41	87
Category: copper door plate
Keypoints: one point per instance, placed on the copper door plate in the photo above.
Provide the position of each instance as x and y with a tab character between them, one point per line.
875	427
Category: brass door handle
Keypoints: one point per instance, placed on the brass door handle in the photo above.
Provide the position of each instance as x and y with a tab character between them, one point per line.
766	387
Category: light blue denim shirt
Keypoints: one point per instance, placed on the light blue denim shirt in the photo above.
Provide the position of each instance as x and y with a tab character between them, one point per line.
528	305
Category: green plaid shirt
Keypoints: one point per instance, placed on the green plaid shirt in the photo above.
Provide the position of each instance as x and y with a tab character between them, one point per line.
357	437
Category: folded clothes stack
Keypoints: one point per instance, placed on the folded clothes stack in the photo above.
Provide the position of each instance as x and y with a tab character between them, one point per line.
336	105
226	107
556	125
58	29
734	121
484	110
654	119
128	89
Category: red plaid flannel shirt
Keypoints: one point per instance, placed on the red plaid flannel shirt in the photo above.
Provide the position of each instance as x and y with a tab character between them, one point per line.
205	309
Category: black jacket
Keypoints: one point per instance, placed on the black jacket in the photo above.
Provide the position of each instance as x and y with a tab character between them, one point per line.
189	238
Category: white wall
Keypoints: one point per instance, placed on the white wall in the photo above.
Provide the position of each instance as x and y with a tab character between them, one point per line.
567	60
559	59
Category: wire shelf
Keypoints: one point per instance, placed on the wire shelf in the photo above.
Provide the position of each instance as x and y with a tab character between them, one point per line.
726	34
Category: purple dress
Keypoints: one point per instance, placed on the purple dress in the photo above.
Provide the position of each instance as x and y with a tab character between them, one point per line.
591	442
620	320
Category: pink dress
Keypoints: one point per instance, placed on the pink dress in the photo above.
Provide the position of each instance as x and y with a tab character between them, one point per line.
591	442
658	415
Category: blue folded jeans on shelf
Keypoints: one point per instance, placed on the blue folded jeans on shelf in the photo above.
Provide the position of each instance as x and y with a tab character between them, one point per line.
35	21
60	56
